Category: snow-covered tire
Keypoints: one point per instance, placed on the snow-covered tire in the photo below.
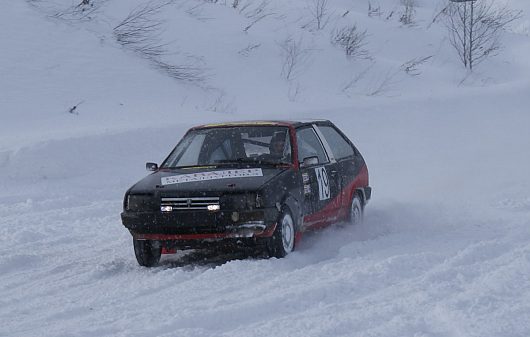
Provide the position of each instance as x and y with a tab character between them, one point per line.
282	241
147	252
356	210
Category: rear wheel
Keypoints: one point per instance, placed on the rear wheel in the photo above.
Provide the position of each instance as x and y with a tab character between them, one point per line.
356	210
147	252
282	241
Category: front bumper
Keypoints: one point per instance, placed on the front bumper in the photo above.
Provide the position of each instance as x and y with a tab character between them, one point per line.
245	231
200	225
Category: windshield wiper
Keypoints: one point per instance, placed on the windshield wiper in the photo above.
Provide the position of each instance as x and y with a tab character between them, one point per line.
190	166
249	161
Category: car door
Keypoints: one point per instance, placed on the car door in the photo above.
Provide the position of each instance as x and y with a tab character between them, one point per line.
334	170
347	163
319	180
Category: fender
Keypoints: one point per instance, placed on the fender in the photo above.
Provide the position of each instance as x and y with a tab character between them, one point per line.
361	192
361	183
295	208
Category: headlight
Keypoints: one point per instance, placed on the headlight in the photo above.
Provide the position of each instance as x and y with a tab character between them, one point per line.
243	201
137	203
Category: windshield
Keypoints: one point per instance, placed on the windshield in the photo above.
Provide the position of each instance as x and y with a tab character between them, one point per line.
232	145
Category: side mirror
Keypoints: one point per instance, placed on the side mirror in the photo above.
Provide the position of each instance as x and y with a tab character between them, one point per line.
151	166
310	161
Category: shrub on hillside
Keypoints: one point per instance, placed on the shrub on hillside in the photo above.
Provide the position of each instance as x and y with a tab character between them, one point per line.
351	40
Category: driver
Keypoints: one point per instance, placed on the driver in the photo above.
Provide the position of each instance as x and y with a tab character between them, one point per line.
277	144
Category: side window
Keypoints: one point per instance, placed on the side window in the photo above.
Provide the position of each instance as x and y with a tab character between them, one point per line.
309	145
340	147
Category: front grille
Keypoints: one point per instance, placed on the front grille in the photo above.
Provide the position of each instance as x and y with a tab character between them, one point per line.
192	203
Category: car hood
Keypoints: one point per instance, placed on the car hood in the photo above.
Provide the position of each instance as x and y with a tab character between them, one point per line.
198	181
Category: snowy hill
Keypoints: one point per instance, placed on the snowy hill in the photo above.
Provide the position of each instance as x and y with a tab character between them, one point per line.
444	250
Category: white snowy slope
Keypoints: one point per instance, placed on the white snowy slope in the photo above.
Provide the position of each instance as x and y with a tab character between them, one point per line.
445	247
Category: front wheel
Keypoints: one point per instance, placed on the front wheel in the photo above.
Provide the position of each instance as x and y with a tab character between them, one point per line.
282	241
356	210
147	252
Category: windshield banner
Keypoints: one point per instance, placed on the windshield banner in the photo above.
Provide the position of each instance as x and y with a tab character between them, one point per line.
212	175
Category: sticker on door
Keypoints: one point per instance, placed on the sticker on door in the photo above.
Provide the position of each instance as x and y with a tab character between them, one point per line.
323	183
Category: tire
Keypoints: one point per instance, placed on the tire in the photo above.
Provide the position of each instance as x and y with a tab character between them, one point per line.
356	210
282	241
147	252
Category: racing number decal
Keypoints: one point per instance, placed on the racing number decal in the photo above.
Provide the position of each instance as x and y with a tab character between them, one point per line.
323	183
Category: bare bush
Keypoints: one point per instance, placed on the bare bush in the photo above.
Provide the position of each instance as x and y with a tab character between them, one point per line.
249	49
188	72
351	40
475	29
85	10
319	13
412	67
256	20
255	13
409	9
295	57
141	32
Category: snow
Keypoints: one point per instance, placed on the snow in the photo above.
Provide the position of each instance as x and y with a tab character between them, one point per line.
445	247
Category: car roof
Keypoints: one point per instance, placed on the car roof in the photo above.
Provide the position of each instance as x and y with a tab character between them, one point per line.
293	123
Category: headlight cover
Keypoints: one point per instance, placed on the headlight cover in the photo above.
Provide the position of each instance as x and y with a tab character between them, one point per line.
139	202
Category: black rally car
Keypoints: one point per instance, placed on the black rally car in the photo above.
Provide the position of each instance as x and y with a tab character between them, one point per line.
247	183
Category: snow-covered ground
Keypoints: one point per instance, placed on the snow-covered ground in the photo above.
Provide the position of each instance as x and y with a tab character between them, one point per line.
444	250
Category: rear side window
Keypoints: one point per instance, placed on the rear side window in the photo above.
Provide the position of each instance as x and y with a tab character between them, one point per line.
309	145
340	147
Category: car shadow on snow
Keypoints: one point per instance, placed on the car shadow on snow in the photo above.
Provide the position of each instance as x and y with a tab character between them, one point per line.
209	257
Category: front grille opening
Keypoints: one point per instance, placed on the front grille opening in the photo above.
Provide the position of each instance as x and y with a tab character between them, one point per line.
191	203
